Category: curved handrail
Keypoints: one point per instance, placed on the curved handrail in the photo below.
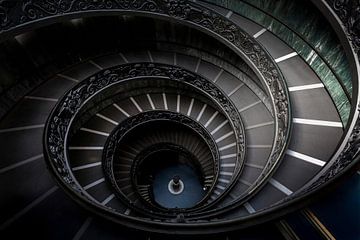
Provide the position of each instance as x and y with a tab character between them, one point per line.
62	118
277	19
338	103
129	124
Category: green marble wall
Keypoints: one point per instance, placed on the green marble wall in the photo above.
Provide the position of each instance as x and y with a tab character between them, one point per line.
330	63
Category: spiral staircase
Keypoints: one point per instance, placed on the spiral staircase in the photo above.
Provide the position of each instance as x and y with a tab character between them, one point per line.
140	119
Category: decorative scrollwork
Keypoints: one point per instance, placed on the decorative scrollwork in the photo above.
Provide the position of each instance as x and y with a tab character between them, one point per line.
177	8
5	7
39	9
349	13
59	123
114	143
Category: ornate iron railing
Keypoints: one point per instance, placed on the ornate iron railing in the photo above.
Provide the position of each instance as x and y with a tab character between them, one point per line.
67	111
114	141
17	16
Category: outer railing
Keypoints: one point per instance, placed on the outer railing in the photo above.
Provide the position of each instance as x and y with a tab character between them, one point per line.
334	84
344	17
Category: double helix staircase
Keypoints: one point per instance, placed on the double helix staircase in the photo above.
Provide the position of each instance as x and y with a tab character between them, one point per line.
239	105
